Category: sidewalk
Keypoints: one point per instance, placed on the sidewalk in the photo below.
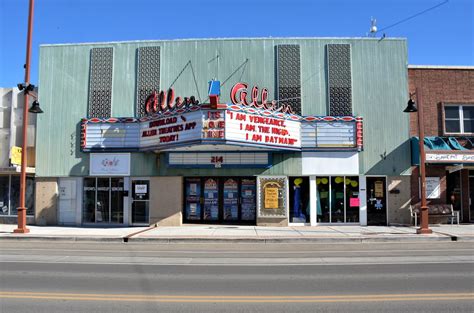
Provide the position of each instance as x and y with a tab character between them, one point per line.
243	234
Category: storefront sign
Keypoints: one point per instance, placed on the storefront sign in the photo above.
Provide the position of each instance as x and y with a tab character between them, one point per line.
109	164
250	120
141	189
449	158
218	159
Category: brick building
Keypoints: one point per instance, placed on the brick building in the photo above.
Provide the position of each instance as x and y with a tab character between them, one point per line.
448	105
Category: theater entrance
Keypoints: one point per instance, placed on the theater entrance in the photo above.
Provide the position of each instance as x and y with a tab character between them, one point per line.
220	200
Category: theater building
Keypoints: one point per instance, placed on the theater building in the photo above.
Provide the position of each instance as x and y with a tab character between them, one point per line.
448	106
286	131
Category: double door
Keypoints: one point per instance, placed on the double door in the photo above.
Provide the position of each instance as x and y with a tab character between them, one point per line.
226	200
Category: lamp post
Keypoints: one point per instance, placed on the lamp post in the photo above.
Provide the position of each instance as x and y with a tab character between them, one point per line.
424	227
22	229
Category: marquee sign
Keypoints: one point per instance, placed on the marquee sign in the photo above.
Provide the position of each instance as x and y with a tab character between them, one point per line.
250	120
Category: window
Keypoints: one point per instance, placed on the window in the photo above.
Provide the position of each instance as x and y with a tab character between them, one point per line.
337	199
103	200
458	119
10	195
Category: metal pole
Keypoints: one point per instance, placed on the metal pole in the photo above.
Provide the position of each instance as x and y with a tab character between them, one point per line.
22	209
424	227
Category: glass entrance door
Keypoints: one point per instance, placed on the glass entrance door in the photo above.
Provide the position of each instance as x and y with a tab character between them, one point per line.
231	195
376	201
211	199
140	201
219	200
248	196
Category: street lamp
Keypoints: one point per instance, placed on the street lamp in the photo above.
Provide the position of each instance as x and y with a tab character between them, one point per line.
411	107
28	89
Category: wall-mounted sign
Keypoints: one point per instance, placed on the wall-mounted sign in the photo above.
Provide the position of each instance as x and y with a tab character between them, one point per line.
109	164
141	189
433	188
165	101
222	159
239	92
15	155
449	157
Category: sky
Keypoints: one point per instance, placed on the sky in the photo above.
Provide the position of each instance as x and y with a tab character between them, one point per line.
441	36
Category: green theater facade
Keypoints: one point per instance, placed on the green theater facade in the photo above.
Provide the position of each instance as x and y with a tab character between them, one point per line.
279	131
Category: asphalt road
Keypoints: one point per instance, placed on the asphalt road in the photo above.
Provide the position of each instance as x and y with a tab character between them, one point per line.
113	277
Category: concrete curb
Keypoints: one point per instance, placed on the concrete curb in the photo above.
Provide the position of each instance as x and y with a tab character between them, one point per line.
255	240
61	238
260	240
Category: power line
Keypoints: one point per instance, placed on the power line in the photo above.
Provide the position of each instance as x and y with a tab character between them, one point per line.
414	15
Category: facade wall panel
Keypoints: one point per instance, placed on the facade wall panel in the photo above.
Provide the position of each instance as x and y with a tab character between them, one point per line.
379	90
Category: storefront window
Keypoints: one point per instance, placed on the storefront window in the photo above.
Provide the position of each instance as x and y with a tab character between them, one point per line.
10	195
103	198
299	200
322	184
88	215
116	198
337	199
4	194
352	199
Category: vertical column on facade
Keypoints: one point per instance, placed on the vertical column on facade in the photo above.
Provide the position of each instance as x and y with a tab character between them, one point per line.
126	201
79	200
313	200
362	201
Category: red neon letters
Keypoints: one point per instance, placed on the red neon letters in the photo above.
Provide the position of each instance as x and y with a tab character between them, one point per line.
156	101
238	95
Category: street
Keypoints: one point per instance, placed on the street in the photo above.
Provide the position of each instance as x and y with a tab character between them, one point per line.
124	277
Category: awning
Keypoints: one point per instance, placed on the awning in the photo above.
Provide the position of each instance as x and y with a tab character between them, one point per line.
444	150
